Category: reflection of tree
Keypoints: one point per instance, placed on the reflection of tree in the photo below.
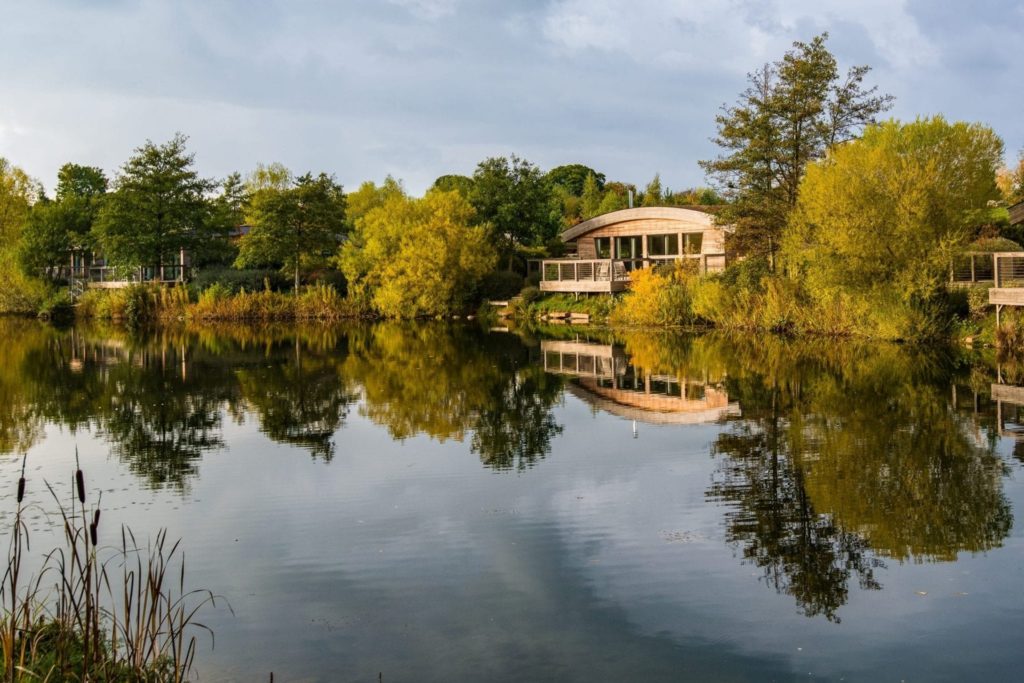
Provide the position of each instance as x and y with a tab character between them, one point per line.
847	455
802	553
517	427
445	381
301	401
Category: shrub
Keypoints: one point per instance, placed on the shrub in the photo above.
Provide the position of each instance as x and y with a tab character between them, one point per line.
502	284
530	294
656	298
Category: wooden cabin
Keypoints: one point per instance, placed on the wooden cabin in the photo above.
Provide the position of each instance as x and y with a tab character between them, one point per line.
611	246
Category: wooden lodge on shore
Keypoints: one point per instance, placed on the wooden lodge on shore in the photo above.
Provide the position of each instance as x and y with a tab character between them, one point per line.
611	246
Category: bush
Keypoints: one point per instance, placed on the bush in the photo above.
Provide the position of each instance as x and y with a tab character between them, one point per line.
657	297
502	284
532	280
235	280
530	294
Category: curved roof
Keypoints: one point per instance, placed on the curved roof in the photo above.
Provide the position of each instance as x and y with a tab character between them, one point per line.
694	219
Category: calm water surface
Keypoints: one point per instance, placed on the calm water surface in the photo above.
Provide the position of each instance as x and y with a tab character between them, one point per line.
444	503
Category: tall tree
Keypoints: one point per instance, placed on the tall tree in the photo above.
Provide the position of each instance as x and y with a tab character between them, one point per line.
590	199
158	208
573	178
516	200
460	183
298	227
652	193
55	228
792	112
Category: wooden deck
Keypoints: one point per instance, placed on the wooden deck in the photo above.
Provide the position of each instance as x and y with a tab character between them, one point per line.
607	276
107	277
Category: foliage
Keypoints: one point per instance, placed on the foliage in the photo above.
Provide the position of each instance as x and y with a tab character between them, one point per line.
1011	181
20	293
501	284
298	226
882	217
515	199
652	195
417	257
793	111
158	208
573	178
56	227
657	297
235	280
460	183
115	613
369	196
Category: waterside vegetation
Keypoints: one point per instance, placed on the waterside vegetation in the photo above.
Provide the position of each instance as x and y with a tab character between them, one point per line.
815	243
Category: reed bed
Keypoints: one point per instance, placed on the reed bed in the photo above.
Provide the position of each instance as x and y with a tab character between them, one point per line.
95	612
148	303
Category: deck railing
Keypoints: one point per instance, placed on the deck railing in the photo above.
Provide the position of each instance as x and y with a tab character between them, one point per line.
604	270
111	274
972	267
1009	269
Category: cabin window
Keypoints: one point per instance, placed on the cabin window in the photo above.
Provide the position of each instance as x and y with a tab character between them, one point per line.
628	247
692	242
663	245
603	247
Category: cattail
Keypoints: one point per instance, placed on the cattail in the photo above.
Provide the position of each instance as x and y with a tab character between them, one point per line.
80	482
96	518
92	533
21	489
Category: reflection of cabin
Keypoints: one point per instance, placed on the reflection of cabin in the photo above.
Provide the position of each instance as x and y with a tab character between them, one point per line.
604	378
609	247
1009	401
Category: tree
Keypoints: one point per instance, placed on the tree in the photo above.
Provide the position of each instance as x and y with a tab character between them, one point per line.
298	226
413	257
460	183
1011	181
652	193
370	196
227	213
590	199
55	228
515	199
573	178
888	211
18	192
793	111
158	208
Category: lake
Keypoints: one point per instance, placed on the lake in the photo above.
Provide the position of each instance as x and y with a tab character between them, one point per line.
442	502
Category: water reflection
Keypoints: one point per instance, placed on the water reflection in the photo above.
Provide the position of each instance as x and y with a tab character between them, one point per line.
831	460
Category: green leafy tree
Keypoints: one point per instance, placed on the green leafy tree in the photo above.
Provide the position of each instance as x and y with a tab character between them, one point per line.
885	213
590	199
460	183
573	178
413	257
1011	181
793	111
158	208
652	193
20	293
298	226
55	228
516	200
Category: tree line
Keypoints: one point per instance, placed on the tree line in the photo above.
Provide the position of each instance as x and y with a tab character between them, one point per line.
376	241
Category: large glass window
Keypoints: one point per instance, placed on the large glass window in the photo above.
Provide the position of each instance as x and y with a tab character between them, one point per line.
663	245
628	247
603	247
692	242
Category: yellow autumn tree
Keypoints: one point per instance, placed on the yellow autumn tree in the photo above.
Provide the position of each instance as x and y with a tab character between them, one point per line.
413	257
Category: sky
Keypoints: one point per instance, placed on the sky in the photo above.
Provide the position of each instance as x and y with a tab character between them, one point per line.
422	88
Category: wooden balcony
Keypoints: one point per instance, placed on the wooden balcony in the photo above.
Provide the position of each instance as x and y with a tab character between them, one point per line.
609	275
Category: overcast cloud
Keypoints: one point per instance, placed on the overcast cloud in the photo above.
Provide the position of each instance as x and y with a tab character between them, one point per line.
420	88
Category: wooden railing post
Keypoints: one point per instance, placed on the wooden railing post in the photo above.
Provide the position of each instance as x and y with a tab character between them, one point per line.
995	269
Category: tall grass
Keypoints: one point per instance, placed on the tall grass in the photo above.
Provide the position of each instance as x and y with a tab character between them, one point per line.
95	612
148	303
